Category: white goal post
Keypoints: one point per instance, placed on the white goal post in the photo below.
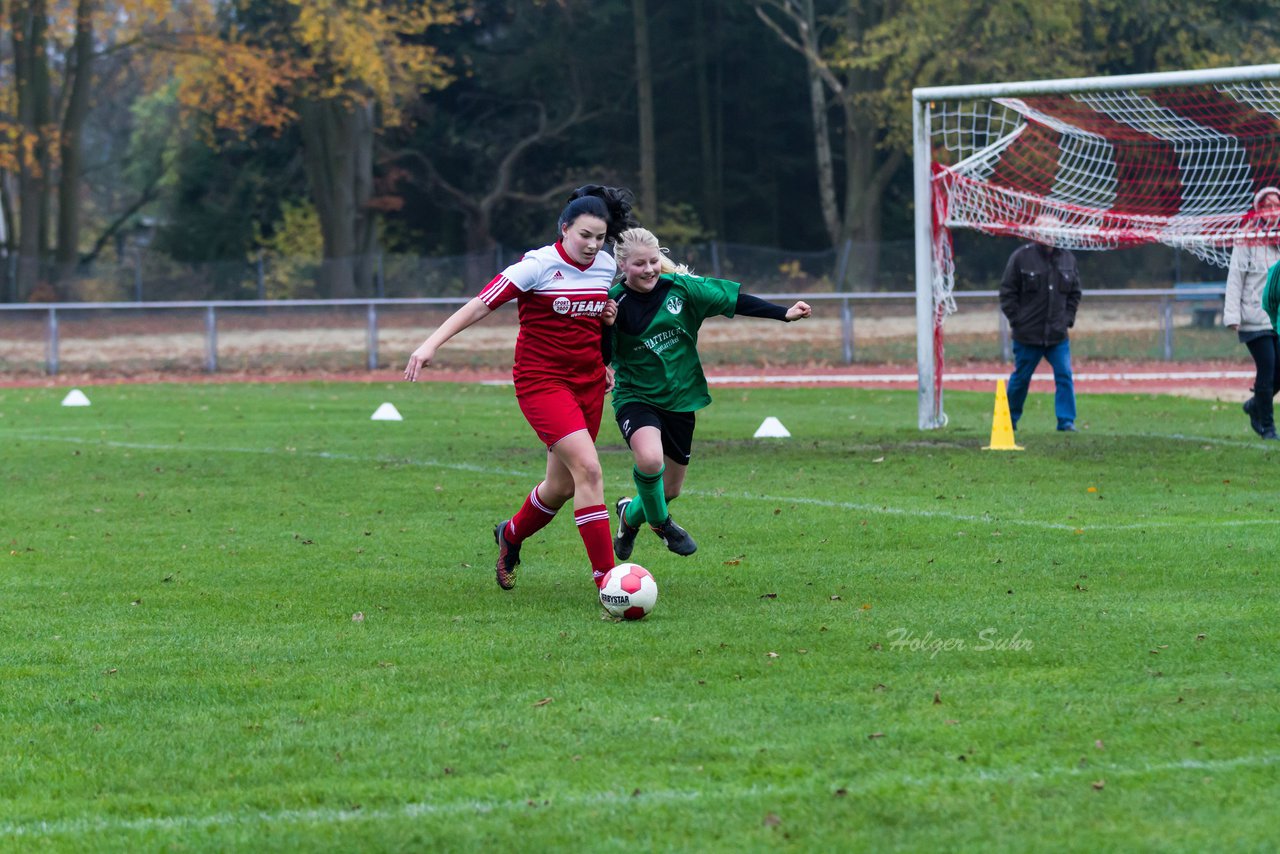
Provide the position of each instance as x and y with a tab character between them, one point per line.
1092	163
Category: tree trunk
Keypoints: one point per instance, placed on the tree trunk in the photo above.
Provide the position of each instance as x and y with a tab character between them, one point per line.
479	266
644	110
862	197
338	155
706	46
868	169
8	247
72	144
820	77
821	131
32	77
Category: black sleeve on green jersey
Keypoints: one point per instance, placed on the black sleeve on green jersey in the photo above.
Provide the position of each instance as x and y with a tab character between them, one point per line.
753	306
713	297
606	344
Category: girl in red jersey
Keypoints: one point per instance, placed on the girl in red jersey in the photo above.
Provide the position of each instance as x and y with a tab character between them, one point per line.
562	292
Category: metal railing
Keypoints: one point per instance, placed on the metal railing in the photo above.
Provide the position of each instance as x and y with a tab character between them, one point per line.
850	306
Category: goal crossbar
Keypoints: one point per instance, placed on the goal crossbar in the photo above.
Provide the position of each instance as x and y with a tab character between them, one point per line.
1155	80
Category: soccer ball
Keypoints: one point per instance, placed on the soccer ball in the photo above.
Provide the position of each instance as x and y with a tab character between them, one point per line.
629	591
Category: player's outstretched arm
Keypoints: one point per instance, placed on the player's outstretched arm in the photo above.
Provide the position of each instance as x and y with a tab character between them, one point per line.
474	311
752	306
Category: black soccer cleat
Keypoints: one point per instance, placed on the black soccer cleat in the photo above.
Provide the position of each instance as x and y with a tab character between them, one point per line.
676	538
508	557
1250	409
625	540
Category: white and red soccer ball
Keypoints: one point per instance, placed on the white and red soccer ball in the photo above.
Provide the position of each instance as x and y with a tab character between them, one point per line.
628	591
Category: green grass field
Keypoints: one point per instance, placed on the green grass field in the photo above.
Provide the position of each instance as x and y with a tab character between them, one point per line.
888	640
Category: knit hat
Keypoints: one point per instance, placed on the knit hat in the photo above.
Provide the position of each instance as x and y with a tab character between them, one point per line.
1263	193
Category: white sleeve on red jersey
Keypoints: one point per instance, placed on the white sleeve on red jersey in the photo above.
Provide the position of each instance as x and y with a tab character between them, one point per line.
511	282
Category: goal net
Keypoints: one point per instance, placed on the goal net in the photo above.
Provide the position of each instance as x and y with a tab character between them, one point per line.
1088	164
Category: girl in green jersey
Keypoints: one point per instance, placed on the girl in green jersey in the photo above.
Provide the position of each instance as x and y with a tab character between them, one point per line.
658	378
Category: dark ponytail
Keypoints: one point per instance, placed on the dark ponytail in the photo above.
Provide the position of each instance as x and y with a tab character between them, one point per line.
611	204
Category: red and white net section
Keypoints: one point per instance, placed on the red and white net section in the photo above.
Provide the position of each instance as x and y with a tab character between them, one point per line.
1105	170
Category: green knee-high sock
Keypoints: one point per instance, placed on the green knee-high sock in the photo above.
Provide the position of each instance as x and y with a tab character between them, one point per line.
634	514
650	499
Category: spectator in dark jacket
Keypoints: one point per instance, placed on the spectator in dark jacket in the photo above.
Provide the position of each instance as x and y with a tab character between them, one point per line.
1039	294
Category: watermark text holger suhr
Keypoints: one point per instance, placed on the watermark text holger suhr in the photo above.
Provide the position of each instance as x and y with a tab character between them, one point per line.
986	640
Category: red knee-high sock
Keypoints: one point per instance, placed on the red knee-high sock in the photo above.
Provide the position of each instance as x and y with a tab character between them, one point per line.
532	518
593	527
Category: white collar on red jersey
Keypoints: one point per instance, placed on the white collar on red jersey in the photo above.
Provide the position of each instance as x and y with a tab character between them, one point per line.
565	256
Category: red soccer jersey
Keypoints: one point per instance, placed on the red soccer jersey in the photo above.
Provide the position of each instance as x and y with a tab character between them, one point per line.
560	303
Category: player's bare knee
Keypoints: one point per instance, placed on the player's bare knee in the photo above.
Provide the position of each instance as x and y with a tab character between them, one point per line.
588	476
649	464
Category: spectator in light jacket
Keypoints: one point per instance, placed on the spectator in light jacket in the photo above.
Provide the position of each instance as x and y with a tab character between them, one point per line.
1257	249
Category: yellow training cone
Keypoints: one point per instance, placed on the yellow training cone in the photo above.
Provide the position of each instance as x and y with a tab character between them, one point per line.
1002	424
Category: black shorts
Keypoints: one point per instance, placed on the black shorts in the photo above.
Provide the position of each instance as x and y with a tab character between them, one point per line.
676	428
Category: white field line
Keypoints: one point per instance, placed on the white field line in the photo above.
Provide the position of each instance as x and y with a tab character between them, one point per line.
912	378
85	826
1041	377
983	518
268	451
880	509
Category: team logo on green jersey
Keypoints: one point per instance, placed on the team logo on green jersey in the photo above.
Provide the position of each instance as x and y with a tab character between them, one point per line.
675	305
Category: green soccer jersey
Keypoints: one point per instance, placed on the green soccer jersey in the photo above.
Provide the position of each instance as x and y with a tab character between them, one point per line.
657	361
1271	296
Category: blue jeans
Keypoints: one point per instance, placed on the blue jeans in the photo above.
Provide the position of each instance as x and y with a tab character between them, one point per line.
1025	359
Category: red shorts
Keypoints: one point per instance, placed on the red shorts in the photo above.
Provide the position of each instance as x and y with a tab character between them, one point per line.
554	409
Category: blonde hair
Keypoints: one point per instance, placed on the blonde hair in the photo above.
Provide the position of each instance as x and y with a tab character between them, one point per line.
642	238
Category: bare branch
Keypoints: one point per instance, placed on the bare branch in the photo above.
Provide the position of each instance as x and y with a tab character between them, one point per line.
500	189
149	194
502	179
434	178
806	46
782	35
549	195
